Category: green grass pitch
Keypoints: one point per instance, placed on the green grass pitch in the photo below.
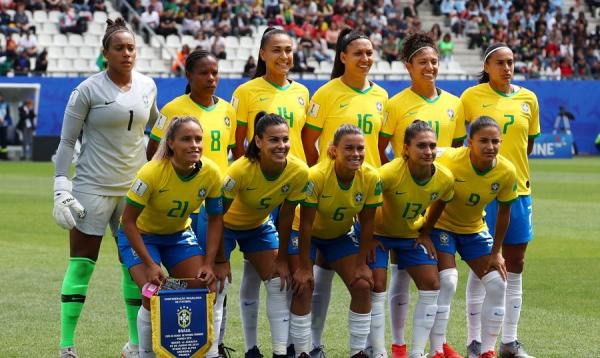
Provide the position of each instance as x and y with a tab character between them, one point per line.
561	309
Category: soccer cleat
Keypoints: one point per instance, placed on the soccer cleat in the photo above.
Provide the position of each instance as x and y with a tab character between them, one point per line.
68	352
399	351
280	355
474	349
318	352
303	355
513	350
253	352
360	354
130	351
291	352
488	354
450	352
436	355
224	351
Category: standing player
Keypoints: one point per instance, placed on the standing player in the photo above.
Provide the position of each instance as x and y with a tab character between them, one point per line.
348	98
517	112
217	118
112	108
156	220
410	183
270	91
339	189
264	179
444	113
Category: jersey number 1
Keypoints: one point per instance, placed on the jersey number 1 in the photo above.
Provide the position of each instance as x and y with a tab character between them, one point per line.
130	120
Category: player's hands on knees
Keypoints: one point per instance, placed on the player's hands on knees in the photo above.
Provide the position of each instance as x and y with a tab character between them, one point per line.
425	241
303	281
363	272
280	268
372	251
222	272
206	276
496	261
64	202
155	274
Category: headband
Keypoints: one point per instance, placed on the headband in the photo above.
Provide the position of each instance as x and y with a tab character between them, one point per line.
417	50
124	29
351	36
494	50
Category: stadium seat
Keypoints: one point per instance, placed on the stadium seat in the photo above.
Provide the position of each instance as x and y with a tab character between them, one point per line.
241	53
383	67
75	40
114	14
174	41
397	67
95	28
40	16
49	28
60	40
155	40
64	65
54	16
100	17
44	40
325	67
188	40
143	65
147	52
80	65
158	66
55	52
88	52
231	42
247	42
238	65
70	52
91	39
226	66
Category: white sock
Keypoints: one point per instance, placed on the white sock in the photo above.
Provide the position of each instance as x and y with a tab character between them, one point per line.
514	298
320	302
278	314
300	333
398	299
249	303
492	312
377	333
213	352
425	313
145	333
448	282
223	321
474	297
290	294
358	326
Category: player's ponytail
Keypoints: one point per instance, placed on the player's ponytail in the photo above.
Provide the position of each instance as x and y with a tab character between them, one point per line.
341	132
112	27
347	35
261	122
190	62
484	77
164	151
480	123
261	66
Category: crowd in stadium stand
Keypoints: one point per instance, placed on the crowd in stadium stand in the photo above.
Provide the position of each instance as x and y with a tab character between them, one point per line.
547	40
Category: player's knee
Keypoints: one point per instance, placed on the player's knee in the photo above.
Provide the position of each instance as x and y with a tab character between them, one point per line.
379	286
448	280
360	290
430	284
515	264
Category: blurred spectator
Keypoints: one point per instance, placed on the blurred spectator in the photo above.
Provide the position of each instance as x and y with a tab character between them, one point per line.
217	45
5	121
70	22
190	25
26	127
41	63
320	51
202	41
240	25
167	24
552	71
271	8
21	65
157	5
34	5
28	44
301	64
97	5
21	20
446	48
566	70
534	69
582	69
7	26
249	67
150	17
391	48
224	24
181	57
53	4
436	32
332	34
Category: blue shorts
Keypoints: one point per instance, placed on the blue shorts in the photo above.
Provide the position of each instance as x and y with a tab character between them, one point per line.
199	225
469	246
520	228
407	254
293	248
263	238
334	249
166	249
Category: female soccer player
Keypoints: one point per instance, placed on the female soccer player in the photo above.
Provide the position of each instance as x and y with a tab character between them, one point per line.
410	184
156	220
517	112
481	175
266	178
269	91
217	118
444	113
348	98
115	105
339	189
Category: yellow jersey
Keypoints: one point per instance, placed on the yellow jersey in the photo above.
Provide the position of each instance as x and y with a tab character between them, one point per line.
444	114
168	199
337	205
519	118
255	195
405	199
290	102
218	126
336	103
473	190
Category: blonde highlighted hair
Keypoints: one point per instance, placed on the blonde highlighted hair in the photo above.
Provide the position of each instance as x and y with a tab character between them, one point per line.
164	151
341	132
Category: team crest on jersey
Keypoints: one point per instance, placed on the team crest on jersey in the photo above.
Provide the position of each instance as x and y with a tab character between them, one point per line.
227	121
301	101
495	187
229	184
450	114
434	196
309	188
184	316
379	106
525	107
201	193
358	197
295	242
285	188
146	100
444	239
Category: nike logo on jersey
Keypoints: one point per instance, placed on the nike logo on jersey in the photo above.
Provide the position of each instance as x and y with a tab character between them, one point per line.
411	113
326	196
262	99
162	190
250	188
106	103
460	180
486	105
400	192
342	105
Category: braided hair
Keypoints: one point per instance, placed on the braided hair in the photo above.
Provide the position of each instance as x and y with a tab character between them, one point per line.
190	62
112	27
